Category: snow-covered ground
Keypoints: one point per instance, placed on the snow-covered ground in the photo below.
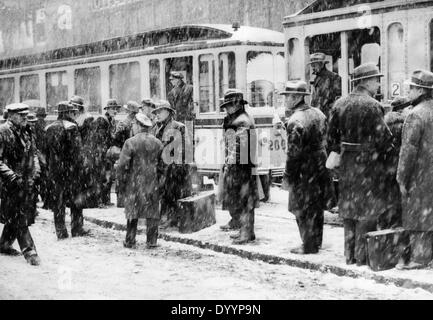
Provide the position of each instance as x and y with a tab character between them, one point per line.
98	267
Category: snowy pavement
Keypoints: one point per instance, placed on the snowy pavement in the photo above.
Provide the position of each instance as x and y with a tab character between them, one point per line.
98	267
276	233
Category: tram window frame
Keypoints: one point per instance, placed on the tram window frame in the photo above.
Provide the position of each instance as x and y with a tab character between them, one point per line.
93	101
206	83
279	85
396	58
125	92
5	100
255	87
295	67
231	76
431	44
33	90
51	103
155	78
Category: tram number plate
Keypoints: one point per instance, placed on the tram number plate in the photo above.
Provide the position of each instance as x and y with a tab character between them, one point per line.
395	89
277	144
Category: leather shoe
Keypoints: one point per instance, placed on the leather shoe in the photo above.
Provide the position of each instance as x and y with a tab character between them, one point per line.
410	266
33	260
130	245
82	233
301	250
230	226
151	245
9	251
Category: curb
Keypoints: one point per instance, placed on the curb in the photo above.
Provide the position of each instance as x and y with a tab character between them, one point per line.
273	259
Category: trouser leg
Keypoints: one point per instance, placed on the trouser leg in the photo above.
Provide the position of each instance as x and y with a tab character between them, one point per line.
131	231
59	217
247	225
8	235
349	240
311	230
235	221
362	227
77	220
152	231
25	241
421	244
319	220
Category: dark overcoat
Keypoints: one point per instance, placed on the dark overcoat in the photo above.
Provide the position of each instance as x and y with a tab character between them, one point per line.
123	131
240	190
18	159
357	130
64	163
181	100
415	168
326	90
177	173
305	171
140	175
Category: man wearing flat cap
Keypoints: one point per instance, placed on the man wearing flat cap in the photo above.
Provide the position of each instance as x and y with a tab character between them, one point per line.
181	98
123	133
306	176
63	149
140	173
240	194
326	86
19	167
358	132
415	168
177	172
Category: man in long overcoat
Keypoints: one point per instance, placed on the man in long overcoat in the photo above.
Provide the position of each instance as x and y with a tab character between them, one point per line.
19	167
394	120
306	174
240	194
326	86
41	145
415	169
178	182
123	133
64	147
140	174
358	132
181	98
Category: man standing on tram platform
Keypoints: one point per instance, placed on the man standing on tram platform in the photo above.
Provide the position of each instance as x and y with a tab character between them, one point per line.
306	177
357	131
181	98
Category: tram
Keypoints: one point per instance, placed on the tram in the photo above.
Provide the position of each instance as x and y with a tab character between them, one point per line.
394	34
212	58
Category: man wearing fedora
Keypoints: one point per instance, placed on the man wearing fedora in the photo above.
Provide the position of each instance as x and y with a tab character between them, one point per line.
177	171
415	167
306	176
358	132
148	106
140	175
326	85
181	98
19	167
240	194
63	149
123	133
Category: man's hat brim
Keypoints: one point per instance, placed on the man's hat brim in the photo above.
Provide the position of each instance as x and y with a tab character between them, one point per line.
379	75
156	110
74	109
409	82
317	61
305	93
227	103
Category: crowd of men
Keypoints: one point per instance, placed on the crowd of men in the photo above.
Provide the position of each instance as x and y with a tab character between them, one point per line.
383	163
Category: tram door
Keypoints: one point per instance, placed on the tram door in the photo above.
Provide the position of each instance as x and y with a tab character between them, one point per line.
345	51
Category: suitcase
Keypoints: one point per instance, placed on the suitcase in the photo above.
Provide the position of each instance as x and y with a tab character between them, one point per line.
197	212
383	248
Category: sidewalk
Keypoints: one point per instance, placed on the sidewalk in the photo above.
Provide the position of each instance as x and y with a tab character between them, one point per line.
276	233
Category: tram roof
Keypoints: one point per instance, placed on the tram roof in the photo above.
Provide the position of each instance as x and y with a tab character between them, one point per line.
327	10
171	37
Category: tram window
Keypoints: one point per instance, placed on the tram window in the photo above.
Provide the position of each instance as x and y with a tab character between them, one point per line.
296	69
227	72
29	87
206	83
88	86
182	65
57	89
396	74
125	82
431	45
260	78
7	86
330	45
155	79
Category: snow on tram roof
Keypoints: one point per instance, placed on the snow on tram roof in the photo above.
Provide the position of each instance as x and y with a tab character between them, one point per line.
246	33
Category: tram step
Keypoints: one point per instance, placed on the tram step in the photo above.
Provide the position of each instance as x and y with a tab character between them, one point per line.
197	212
